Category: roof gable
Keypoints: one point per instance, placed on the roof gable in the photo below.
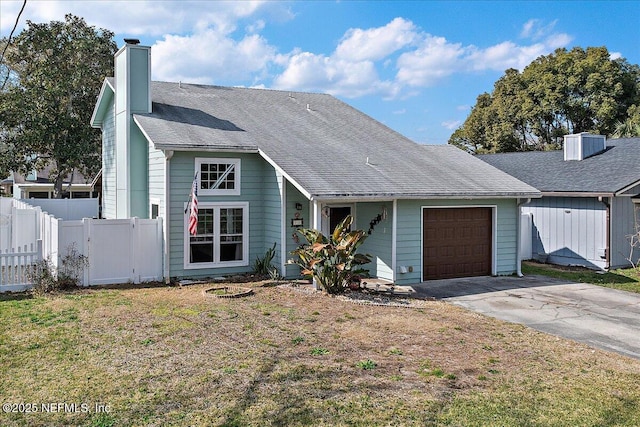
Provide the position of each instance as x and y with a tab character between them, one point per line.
104	101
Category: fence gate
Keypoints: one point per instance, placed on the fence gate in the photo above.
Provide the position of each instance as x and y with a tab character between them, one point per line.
110	252
123	250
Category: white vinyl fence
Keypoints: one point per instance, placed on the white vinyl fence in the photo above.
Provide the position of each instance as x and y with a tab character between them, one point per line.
66	209
18	266
118	251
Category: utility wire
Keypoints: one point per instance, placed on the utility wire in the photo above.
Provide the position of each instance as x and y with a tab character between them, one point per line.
24	4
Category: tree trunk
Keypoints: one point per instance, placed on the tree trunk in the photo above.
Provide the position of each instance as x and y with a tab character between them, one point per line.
57	186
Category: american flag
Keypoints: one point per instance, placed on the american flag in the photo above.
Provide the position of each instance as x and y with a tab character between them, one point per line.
193	215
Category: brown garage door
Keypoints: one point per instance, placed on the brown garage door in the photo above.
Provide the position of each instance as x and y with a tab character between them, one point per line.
456	242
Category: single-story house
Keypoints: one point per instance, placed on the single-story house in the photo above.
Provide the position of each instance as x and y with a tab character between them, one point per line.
587	210
268	162
38	185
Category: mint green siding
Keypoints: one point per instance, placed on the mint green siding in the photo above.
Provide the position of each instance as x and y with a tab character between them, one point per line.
294	196
409	240
109	164
138	173
131	147
378	244
271	201
257	181
140	58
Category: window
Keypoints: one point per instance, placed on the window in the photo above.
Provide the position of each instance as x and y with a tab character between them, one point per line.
218	176
222	239
38	194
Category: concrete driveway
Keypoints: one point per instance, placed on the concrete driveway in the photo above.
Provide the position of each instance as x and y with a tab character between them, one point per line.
601	317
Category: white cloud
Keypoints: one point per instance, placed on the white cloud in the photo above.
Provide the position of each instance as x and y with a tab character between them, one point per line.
209	57
527	28
310	72
221	42
376	43
510	55
535	29
615	55
505	55
400	112
143	17
256	26
434	59
451	124
421	60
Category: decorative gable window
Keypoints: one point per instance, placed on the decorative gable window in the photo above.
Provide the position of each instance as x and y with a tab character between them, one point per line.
218	176
222	239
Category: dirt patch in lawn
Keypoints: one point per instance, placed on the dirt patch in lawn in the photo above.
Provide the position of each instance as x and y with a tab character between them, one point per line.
289	356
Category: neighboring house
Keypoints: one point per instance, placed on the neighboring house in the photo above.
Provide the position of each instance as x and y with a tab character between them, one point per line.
269	162
37	185
587	208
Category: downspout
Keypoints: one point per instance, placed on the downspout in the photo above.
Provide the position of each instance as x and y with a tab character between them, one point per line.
518	237
607	251
394	241
168	154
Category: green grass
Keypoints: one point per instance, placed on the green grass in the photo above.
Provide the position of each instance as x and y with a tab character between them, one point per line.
626	279
171	356
367	365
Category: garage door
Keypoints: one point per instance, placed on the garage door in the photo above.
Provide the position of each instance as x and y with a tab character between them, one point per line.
456	242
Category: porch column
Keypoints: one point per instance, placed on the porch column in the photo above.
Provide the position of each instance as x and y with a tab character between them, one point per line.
316	223
316	215
282	183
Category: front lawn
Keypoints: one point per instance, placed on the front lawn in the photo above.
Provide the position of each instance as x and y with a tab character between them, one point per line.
626	279
284	357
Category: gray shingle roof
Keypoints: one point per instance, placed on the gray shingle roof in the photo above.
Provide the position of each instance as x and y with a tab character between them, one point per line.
607	172
320	142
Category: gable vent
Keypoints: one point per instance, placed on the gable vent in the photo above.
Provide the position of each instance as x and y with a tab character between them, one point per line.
582	145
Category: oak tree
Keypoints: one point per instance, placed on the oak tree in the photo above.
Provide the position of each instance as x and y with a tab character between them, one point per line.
53	73
581	90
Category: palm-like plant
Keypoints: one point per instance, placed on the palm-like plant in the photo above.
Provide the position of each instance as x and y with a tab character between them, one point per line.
332	261
627	129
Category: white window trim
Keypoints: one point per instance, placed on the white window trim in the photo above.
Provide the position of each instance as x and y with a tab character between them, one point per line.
217	192
216	235
155	201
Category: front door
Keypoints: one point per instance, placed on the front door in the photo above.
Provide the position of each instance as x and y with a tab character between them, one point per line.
335	215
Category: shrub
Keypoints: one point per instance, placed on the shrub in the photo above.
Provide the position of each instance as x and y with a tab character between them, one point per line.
332	261
47	278
262	266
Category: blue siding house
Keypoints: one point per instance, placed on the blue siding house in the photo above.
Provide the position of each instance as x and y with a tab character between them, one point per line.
589	199
267	162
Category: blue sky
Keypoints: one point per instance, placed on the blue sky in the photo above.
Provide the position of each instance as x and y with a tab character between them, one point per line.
416	66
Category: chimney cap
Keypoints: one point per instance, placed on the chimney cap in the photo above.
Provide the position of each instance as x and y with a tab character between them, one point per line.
132	41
